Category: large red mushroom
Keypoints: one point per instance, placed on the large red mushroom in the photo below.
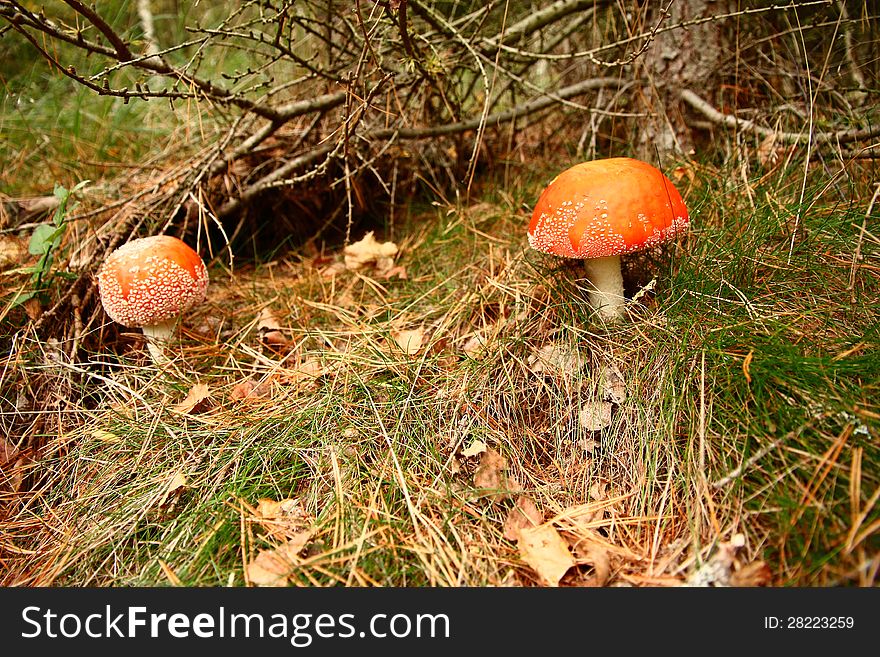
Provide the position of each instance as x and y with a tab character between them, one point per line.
148	283
600	210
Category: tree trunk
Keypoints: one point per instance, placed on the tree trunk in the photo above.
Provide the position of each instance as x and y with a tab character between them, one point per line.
681	58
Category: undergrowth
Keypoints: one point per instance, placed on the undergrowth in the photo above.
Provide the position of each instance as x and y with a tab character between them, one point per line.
744	412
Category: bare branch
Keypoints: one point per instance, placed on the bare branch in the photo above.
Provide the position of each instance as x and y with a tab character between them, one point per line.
730	121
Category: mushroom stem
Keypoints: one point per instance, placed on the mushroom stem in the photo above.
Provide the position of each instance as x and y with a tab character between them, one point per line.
157	335
606	293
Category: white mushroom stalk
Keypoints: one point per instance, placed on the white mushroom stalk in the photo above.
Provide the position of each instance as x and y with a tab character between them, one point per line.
606	286
157	336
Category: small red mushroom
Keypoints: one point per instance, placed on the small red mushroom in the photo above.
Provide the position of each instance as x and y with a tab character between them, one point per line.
600	210
148	283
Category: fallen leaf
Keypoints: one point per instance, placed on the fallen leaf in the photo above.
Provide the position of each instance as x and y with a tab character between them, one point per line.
555	359
307	372
595	555
270	330
612	385
288	509
756	573
491	476
680	172
267	321
173	487
284	519
399	271
476	447
598	490
273	567
409	341
195	401
595	415
545	551
243	390
33	309
105	436
589	550
368	251
587	445
524	514
13	251
768	154
476	342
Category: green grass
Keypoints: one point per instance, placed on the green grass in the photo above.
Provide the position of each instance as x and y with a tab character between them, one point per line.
751	385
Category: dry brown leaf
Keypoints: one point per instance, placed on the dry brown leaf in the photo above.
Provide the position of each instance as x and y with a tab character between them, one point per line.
587	445
267	321
598	557
491	476
612	385
289	510
523	514
33	309
756	573
545	551
8	450
409	341
246	389
333	269
270	330
595	415
274	567
284	519
13	251
768	154
173	487
598	490
592	552
307	372
477	342
196	399
105	436
368	251
681	171
399	271
476	447
556	360
490	472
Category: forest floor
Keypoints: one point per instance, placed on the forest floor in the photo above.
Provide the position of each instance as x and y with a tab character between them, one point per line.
461	417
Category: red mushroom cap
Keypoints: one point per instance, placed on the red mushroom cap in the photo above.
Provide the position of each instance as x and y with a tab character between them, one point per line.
151	280
606	208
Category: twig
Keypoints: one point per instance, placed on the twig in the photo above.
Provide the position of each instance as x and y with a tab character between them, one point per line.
737	472
730	121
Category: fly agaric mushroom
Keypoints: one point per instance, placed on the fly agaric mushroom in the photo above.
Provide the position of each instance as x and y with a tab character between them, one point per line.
148	283
600	210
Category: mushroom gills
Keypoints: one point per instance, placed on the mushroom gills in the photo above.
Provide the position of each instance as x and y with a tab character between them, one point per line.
606	286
